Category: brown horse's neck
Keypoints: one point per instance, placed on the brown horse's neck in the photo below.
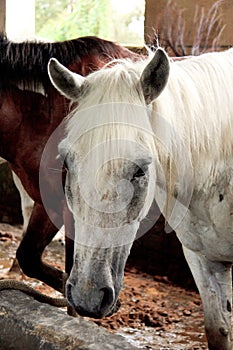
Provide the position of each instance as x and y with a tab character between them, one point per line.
28	118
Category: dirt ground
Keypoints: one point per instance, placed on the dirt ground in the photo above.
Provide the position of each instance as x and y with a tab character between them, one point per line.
155	312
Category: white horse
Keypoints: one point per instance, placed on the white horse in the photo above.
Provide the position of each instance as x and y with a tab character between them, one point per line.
152	129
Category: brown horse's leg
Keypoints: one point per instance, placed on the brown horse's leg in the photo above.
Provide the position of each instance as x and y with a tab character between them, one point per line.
39	233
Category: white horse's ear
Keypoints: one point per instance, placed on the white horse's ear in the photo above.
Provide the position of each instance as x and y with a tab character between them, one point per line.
155	76
65	81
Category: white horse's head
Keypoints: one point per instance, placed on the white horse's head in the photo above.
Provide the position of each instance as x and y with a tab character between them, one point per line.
109	155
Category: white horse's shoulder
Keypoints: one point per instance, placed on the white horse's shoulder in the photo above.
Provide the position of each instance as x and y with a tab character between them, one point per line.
208	225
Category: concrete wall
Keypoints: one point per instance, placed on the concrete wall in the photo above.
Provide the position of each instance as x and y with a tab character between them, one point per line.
26	324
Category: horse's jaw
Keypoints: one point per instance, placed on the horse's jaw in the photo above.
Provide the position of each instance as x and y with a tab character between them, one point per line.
96	279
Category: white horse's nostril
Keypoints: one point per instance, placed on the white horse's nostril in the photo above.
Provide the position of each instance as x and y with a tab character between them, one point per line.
101	302
108	299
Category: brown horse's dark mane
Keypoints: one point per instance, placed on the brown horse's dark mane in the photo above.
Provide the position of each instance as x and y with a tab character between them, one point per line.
26	62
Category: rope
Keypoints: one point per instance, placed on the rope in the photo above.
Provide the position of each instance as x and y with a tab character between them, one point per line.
23	287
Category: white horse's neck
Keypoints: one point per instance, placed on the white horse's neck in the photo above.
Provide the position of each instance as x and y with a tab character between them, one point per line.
197	106
192	121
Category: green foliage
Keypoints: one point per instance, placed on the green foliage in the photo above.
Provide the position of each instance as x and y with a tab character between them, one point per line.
59	20
71	19
48	10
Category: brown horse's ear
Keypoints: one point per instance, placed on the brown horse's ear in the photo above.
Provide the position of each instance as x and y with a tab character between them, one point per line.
155	76
65	81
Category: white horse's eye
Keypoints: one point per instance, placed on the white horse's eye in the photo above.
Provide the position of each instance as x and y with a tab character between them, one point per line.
139	173
142	168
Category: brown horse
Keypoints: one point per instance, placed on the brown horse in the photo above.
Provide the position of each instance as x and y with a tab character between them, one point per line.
30	111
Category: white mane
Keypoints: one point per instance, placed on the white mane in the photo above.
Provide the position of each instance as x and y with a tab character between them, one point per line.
198	103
